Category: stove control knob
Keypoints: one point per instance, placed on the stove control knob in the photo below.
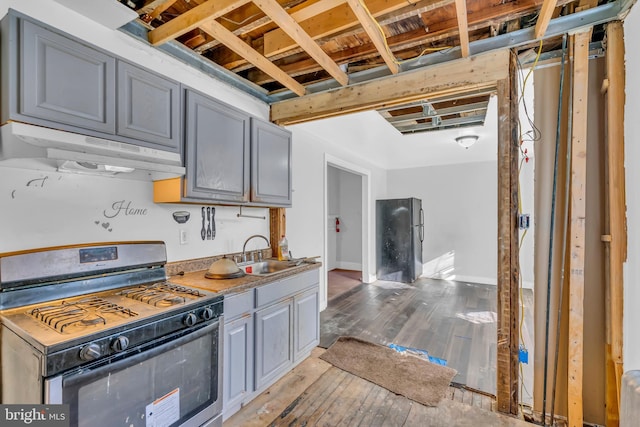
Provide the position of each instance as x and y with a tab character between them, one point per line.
190	319
120	344
90	352
207	314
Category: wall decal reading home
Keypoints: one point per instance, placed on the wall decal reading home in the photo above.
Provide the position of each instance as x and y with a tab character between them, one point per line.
123	207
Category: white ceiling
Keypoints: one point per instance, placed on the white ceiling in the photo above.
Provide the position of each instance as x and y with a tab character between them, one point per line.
376	141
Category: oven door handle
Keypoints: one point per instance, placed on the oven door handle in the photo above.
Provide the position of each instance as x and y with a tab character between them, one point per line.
53	389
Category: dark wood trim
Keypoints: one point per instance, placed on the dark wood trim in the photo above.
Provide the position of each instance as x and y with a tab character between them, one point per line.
508	251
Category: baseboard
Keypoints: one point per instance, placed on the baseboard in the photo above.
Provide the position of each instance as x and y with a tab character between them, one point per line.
343	265
474	279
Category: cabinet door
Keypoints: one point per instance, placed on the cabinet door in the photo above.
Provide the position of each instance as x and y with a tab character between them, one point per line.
237	364
274	344
270	164
217	150
148	107
306	323
65	81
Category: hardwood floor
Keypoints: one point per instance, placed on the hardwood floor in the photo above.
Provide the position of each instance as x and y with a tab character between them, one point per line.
340	281
455	321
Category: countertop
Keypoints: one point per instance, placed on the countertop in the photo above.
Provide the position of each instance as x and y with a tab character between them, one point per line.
196	279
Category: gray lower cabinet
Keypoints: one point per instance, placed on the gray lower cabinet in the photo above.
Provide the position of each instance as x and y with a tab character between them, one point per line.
274	350
217	150
306	323
47	90
148	107
270	164
238	363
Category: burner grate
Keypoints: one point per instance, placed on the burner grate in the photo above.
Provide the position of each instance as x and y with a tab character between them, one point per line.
161	294
81	313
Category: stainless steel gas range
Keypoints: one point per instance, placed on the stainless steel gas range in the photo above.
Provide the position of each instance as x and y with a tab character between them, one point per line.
98	327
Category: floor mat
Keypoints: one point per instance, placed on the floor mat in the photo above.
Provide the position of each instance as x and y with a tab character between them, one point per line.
404	374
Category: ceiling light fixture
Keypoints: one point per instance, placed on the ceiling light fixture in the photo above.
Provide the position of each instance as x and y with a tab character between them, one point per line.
466	141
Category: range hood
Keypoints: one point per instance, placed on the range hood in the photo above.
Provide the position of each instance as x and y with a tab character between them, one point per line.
34	147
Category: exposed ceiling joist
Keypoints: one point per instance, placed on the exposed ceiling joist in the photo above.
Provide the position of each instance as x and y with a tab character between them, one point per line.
293	29
166	4
465	108
477	119
546	12
374	31
192	19
215	29
478	72
463	28
337	19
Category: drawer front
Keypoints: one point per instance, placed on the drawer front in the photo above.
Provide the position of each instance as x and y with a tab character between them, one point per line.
276	291
237	304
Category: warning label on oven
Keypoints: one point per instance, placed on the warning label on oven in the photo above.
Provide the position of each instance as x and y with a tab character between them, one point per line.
164	411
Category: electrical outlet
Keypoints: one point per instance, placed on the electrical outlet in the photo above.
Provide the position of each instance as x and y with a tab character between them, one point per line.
183	237
524	221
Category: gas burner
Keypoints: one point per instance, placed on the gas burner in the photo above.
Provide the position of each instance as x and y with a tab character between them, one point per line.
81	313
161	294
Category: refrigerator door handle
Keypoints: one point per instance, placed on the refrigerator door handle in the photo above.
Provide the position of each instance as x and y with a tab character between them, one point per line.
421	225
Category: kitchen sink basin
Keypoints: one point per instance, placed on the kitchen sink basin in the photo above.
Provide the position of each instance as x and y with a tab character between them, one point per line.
268	267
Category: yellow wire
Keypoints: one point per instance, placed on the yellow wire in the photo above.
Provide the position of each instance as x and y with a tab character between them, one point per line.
386	45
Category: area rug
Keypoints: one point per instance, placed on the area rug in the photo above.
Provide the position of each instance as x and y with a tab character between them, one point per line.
405	374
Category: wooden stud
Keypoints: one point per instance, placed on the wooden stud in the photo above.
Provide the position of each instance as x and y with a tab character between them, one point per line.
615	100
374	31
214	29
192	19
467	74
548	6
278	228
508	272
293	29
463	27
577	227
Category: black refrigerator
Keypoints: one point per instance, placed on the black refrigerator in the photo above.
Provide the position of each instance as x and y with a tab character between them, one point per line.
399	237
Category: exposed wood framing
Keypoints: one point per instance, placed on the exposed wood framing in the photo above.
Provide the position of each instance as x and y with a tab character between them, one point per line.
215	29
278	226
577	227
508	271
474	73
463	27
160	9
374	31
615	100
335	20
192	19
293	29
546	13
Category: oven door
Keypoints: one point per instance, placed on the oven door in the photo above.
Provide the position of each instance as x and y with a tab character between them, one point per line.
176	383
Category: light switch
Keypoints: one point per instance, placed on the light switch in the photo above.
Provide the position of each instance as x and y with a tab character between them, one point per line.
183	237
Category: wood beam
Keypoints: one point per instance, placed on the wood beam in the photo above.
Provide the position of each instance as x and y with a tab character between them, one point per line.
508	272
293	29
337	19
374	31
277	229
577	227
474	73
615	100
166	4
191	19
214	29
546	12
463	27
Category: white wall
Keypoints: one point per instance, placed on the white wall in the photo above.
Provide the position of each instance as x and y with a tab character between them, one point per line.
632	177
305	220
349	211
460	208
45	209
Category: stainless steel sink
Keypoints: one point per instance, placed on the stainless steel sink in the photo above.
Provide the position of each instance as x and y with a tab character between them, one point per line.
268	267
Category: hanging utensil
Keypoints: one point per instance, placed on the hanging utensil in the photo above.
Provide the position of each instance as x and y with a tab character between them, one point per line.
213	223
208	223
203	232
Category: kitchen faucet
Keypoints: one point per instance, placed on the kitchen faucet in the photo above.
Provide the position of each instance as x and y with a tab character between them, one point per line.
244	255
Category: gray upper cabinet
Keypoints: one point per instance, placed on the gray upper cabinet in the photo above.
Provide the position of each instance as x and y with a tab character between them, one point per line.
64	81
217	150
270	164
148	107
